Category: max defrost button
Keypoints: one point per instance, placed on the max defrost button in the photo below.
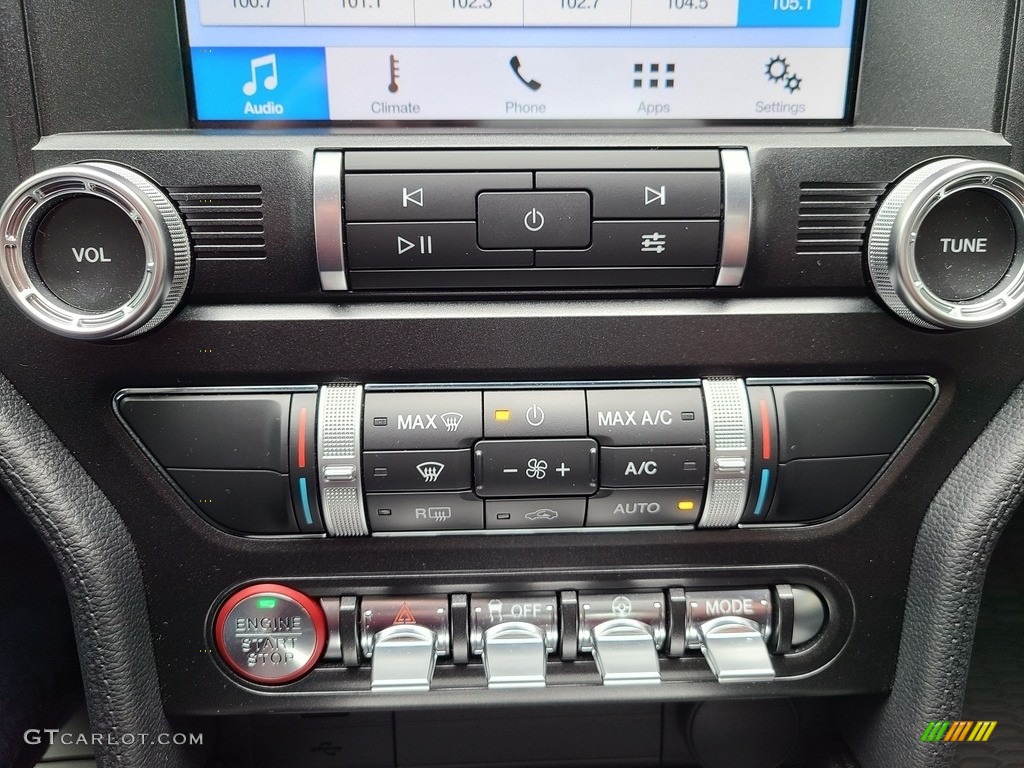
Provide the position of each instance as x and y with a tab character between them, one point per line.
421	420
633	417
270	634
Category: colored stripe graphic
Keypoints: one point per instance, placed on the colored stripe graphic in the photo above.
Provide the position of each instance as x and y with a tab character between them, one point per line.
958	730
982	730
304	495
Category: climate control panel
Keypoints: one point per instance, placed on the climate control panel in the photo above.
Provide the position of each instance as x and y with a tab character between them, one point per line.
355	460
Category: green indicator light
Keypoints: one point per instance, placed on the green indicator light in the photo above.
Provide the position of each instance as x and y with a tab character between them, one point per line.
266	602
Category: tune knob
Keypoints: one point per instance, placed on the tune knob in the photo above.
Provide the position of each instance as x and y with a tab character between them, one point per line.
93	251
944	250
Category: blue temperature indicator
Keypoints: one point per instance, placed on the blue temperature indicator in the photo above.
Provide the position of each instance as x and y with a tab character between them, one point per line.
790	13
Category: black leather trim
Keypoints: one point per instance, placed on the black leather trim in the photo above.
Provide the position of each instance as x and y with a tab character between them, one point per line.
101	572
953	550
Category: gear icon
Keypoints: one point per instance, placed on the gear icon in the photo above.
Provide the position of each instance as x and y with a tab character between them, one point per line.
776	69
793	83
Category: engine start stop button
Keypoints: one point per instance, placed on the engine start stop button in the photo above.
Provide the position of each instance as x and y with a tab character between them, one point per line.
270	634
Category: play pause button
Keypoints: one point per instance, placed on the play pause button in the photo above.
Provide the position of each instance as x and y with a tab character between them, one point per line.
425	245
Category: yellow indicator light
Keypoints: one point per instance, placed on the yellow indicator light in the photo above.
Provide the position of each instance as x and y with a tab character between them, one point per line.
685	506
503	415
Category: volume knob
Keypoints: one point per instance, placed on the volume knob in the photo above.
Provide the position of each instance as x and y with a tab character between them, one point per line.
93	251
944	250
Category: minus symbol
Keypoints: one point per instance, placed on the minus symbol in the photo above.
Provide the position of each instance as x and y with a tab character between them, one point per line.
510	471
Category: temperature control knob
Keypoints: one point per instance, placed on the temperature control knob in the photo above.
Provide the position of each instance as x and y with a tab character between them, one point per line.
93	251
944	250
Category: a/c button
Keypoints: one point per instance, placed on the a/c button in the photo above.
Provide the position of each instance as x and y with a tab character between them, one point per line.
644	467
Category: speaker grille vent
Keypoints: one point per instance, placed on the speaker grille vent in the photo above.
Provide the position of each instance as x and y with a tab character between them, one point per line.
224	222
834	217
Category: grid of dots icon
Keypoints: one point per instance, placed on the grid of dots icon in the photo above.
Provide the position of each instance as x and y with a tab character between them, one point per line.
654	76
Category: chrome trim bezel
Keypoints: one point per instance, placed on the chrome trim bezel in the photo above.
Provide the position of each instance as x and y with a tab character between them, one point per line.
737	217
328	226
892	245
168	257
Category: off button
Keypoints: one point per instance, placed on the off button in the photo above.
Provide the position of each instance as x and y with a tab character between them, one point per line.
270	634
90	254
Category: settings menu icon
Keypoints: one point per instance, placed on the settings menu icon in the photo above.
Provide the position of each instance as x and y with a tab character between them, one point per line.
778	71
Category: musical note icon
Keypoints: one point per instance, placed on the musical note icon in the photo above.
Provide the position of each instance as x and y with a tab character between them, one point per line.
270	81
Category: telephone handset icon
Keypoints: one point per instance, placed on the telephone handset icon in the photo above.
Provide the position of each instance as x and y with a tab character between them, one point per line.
533	85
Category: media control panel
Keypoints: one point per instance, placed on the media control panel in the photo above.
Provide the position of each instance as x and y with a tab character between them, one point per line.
496	220
272	634
354	460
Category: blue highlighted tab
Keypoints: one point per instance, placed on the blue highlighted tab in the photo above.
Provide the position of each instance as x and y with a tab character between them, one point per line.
260	83
790	13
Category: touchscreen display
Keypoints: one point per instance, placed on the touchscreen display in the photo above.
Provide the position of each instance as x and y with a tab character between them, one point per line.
499	60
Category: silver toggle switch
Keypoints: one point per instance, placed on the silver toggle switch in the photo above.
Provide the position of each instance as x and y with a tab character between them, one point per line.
403	658
625	652
735	650
514	634
624	632
515	655
403	637
731	628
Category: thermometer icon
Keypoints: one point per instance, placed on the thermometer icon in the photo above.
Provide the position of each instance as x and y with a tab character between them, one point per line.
393	65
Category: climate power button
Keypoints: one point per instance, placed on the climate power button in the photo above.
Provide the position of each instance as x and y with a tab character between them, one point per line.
270	634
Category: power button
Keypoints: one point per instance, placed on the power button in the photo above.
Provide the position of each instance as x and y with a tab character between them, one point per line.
270	634
533	219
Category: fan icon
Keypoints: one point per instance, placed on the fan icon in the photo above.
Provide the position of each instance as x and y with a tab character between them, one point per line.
536	469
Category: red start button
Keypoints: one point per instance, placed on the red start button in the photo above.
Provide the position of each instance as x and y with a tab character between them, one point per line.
270	634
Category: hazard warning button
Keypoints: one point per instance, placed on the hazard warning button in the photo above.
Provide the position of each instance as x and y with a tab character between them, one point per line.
403	638
380	613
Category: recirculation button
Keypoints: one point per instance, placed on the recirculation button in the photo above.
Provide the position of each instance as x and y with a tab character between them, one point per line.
270	634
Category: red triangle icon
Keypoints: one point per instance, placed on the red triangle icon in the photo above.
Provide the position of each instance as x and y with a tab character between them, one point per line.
404	615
